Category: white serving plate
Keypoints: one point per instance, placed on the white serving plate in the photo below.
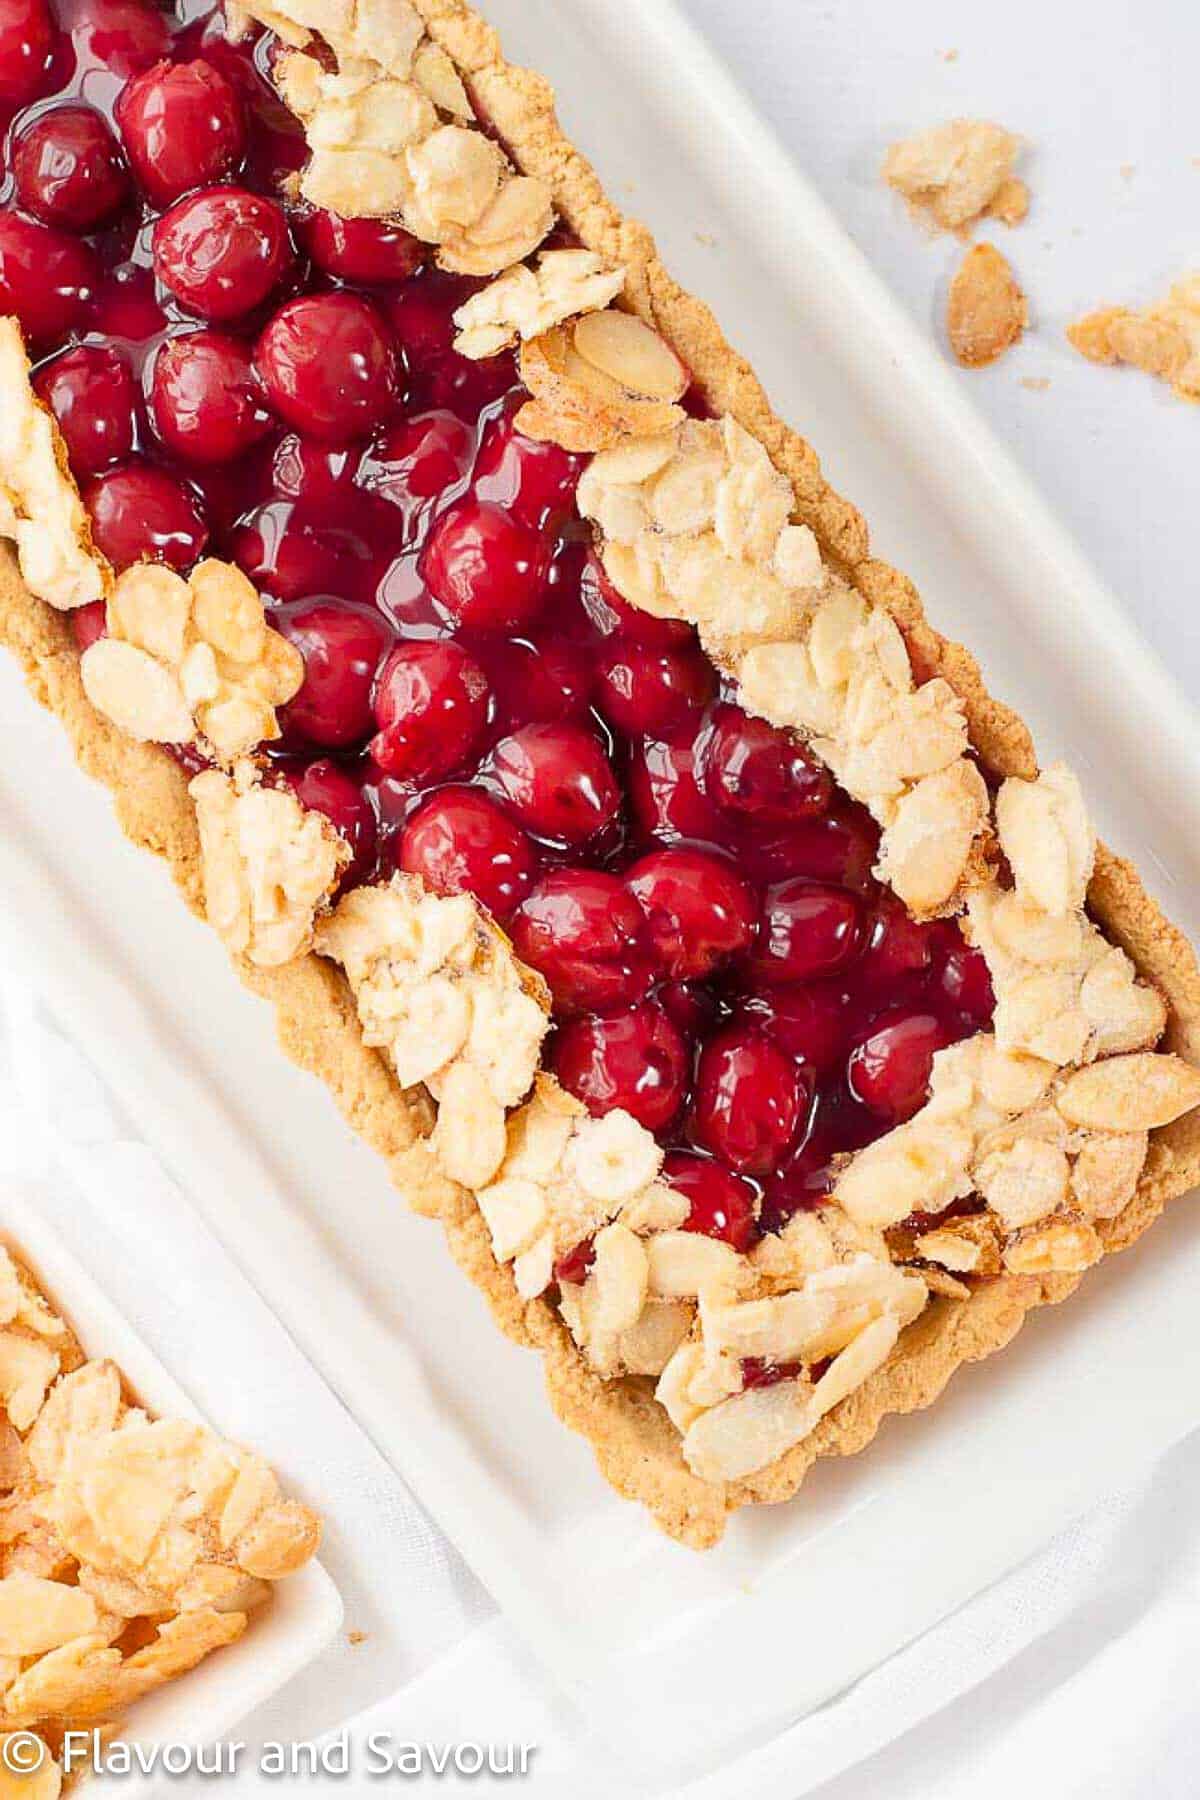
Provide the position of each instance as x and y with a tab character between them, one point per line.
304	1612
802	1599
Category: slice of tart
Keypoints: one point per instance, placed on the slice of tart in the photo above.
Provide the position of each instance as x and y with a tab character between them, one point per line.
649	882
131	1547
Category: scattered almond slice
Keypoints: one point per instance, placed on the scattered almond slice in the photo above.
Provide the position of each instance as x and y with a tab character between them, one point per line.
953	174
986	312
1163	340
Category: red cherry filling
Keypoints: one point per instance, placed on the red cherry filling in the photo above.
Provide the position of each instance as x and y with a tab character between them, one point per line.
696	893
896	945
124	36
342	649
807	930
889	1071
221	251
92	394
461	842
431	707
371	251
326	788
305	471
328	366
485	567
412	464
966	984
68	169
810	1024
89	624
558	781
664	788
46	278
295	549
637	1060
642	689
698	912
182	126
26	40
722	1203
522	475
207	404
758	1373
575	1264
140	513
609	613
751	1100
584	932
754	769
546	681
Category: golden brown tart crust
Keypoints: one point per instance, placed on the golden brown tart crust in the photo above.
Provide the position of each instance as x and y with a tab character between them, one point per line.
635	1443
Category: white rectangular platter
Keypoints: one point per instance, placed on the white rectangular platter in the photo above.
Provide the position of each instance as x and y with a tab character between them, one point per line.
805	1598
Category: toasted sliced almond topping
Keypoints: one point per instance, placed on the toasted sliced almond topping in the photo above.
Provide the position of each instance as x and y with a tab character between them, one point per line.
1130	1093
1060	1247
623	347
749	1430
684	1264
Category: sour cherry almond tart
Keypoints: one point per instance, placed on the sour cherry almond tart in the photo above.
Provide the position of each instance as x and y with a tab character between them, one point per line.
649	882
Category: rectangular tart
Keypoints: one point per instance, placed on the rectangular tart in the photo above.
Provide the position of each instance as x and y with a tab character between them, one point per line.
738	1257
131	1546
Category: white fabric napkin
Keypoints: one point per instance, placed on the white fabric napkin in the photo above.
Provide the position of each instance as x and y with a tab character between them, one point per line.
1077	1672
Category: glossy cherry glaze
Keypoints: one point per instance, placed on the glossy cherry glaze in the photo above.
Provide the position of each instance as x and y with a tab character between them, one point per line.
238	375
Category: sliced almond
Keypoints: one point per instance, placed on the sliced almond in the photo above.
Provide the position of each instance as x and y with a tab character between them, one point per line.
514	1211
625	349
684	1264
749	1430
139	695
613	1158
469	1138
615	1290
1060	1247
868	1351
1130	1093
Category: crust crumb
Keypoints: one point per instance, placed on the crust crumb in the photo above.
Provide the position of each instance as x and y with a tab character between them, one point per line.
986	312
1163	340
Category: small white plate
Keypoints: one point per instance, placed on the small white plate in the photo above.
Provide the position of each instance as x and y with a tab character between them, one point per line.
304	1612
694	1657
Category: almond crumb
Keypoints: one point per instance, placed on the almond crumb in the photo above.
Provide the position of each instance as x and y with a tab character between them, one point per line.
952	174
986	311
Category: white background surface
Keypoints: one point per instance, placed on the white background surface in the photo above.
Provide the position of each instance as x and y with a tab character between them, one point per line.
1097	87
